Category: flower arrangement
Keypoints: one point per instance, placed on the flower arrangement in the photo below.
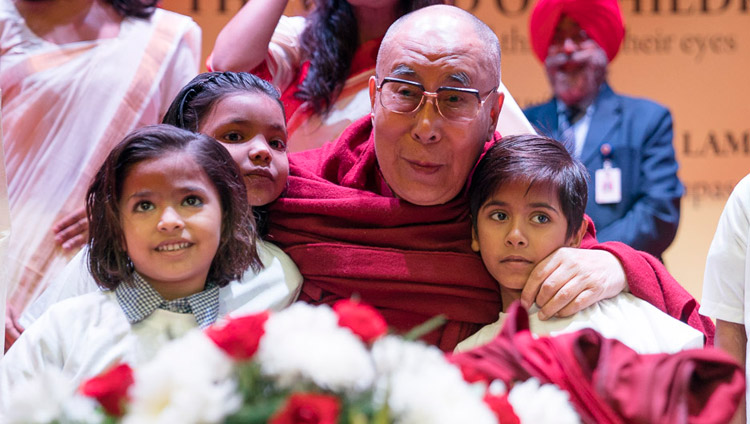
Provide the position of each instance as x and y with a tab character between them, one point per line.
305	364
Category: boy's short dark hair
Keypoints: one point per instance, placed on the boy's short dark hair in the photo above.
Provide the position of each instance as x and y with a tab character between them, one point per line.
108	259
531	159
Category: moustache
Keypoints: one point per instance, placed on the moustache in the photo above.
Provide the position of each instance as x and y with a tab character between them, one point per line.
577	58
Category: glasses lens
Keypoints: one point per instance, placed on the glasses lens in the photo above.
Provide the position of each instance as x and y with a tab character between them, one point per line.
455	104
400	96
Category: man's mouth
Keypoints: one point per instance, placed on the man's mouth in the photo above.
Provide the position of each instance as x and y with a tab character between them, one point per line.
424	167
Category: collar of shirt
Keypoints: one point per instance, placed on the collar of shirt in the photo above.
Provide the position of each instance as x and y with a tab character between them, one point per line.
139	300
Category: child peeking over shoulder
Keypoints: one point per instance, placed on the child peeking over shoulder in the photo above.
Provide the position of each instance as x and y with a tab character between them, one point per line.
527	199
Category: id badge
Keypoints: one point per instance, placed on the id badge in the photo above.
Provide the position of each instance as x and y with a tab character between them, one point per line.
608	184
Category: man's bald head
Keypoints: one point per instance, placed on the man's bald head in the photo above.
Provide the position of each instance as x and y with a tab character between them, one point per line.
426	155
443	18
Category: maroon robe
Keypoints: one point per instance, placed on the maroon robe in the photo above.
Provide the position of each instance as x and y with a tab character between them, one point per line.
351	236
608	382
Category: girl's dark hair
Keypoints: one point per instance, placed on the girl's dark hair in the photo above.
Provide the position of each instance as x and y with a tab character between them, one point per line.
135	8
329	40
531	159
108	259
195	100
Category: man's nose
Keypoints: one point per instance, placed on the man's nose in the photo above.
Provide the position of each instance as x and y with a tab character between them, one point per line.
428	120
569	46
170	220
259	151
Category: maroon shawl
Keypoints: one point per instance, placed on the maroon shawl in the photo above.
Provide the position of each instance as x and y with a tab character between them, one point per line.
350	236
607	381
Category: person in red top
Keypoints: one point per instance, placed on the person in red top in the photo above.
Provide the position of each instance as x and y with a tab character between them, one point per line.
321	63
382	212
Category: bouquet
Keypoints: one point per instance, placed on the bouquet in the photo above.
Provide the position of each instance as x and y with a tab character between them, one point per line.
305	364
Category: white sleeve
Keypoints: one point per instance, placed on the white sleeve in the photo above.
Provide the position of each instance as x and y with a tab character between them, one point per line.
74	280
274	287
37	350
727	268
511	121
285	51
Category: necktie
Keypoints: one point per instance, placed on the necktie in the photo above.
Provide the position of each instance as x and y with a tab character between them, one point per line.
567	136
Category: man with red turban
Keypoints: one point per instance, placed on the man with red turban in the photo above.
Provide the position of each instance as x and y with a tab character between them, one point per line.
625	142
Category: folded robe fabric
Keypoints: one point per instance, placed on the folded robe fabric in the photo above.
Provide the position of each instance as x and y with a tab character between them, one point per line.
350	236
607	381
601	19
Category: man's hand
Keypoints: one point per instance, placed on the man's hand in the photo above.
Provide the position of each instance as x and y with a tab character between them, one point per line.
571	279
71	231
13	329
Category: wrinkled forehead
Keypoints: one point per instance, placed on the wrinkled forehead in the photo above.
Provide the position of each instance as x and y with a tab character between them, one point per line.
437	51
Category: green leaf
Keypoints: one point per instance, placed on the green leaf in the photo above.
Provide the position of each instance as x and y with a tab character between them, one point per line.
424	328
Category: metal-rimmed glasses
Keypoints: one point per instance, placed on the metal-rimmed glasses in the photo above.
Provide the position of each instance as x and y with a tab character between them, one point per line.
453	103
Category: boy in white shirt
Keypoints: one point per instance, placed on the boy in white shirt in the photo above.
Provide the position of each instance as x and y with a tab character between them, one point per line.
527	199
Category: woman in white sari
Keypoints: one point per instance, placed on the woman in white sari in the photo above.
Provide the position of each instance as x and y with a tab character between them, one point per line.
76	76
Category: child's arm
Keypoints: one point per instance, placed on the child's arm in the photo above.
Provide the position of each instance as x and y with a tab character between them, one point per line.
571	279
243	43
731	338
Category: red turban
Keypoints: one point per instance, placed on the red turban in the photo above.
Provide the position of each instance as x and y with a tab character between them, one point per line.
601	19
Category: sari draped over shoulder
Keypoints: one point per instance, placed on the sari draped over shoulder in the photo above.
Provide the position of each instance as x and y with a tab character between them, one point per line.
64	108
351	236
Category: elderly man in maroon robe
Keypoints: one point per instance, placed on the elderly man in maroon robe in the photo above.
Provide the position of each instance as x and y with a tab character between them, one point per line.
381	213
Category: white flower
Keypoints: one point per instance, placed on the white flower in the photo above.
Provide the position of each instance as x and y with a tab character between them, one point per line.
526	398
421	386
40	400
306	342
81	410
189	381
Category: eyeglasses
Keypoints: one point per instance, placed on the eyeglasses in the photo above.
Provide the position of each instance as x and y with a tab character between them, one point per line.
453	103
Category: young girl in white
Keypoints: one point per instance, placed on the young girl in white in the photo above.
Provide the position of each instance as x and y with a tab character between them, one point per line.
527	199
170	225
244	113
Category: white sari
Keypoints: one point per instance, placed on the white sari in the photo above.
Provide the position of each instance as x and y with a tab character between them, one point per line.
64	108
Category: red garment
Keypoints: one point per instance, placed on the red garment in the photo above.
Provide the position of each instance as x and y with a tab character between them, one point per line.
601	19
350	235
610	383
363	61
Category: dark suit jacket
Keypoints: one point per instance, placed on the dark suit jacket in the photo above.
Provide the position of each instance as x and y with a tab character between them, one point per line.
640	133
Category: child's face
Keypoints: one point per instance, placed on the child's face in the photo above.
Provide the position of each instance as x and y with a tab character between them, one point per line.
251	126
516	230
171	218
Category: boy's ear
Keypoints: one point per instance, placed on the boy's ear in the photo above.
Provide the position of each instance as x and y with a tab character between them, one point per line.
577	237
474	240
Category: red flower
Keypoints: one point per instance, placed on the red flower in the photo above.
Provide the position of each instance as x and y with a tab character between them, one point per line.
502	408
363	320
471	374
239	337
308	408
110	388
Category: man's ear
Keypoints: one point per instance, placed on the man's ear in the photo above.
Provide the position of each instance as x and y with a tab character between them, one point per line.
474	239
577	237
495	114
373	92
